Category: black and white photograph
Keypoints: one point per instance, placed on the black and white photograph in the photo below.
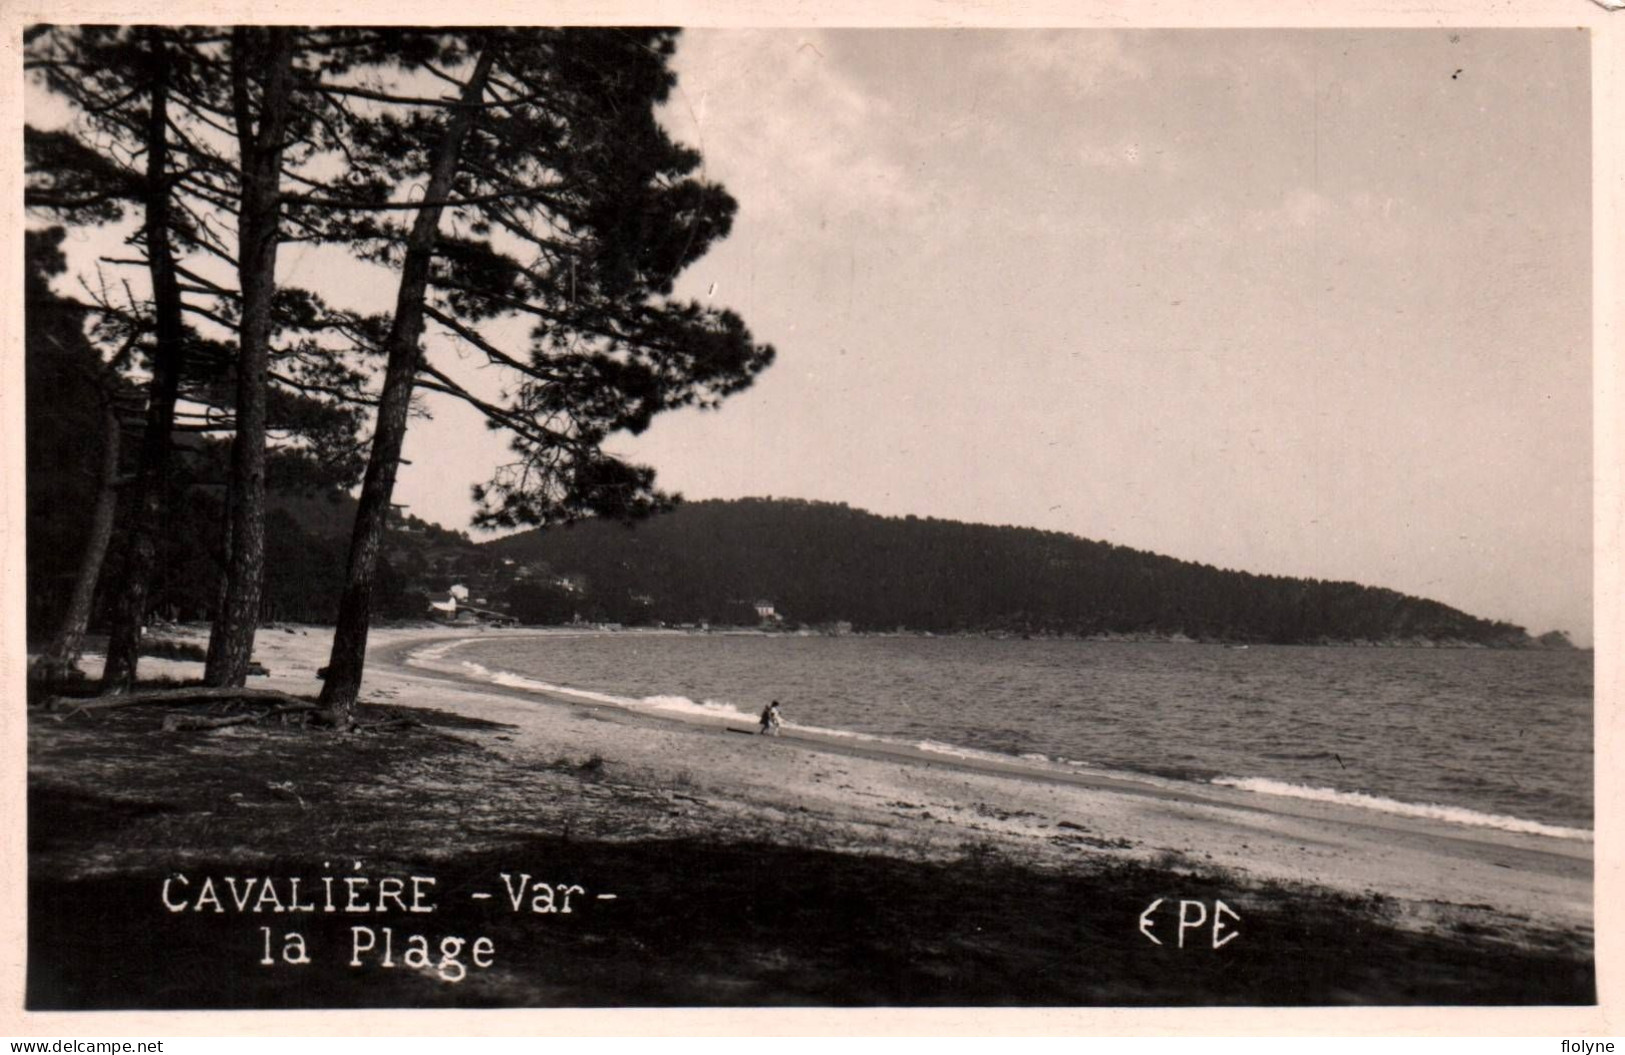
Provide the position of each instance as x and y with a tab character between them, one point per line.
805	516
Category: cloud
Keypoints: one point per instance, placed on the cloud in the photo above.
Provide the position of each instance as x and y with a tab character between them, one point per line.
894	129
783	127
1081	61
1302	208
1130	154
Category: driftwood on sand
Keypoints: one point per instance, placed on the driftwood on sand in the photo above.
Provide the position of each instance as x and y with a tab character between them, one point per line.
179	723
280	704
194	695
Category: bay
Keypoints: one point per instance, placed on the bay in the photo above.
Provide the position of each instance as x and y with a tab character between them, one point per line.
1496	738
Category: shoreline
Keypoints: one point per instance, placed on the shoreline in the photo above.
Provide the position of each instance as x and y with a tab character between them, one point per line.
762	853
1542	879
427	656
1358	849
1401	644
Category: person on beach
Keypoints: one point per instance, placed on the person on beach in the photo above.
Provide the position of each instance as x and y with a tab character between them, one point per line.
771	719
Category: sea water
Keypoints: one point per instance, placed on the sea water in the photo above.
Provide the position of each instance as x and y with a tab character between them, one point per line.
1491	738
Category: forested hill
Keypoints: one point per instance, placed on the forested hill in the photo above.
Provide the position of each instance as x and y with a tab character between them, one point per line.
823	564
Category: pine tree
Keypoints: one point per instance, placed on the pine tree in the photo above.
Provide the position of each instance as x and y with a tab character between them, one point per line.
572	209
192	126
107	68
569	207
73	395
261	125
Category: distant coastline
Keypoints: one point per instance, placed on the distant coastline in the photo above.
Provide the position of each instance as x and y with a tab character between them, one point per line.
793	565
1531	644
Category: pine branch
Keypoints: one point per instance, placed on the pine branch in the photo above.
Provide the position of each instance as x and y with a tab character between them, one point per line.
472	337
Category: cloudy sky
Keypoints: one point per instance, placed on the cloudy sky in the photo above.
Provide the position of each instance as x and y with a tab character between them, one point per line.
1306	303
1309	303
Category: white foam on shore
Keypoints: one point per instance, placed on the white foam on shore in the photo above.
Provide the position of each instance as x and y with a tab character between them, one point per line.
713	710
1032	760
507	679
1452	814
722	711
437	651
727	713
710	709
703	708
973	754
847	734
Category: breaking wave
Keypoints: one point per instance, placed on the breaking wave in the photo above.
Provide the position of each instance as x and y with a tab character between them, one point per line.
1360	800
438	651
1167	767
715	710
973	754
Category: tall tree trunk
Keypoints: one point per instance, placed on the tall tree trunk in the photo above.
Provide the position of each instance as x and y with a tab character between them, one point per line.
217	642
231	643
152	476
349	653
60	660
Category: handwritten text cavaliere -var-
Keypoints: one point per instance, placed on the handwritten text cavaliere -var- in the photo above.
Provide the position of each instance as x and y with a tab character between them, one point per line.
351	895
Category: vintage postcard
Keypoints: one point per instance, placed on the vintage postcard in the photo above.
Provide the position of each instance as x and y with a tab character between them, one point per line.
795	514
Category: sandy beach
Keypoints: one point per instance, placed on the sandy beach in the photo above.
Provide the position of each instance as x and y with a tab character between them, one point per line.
659	778
858	785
